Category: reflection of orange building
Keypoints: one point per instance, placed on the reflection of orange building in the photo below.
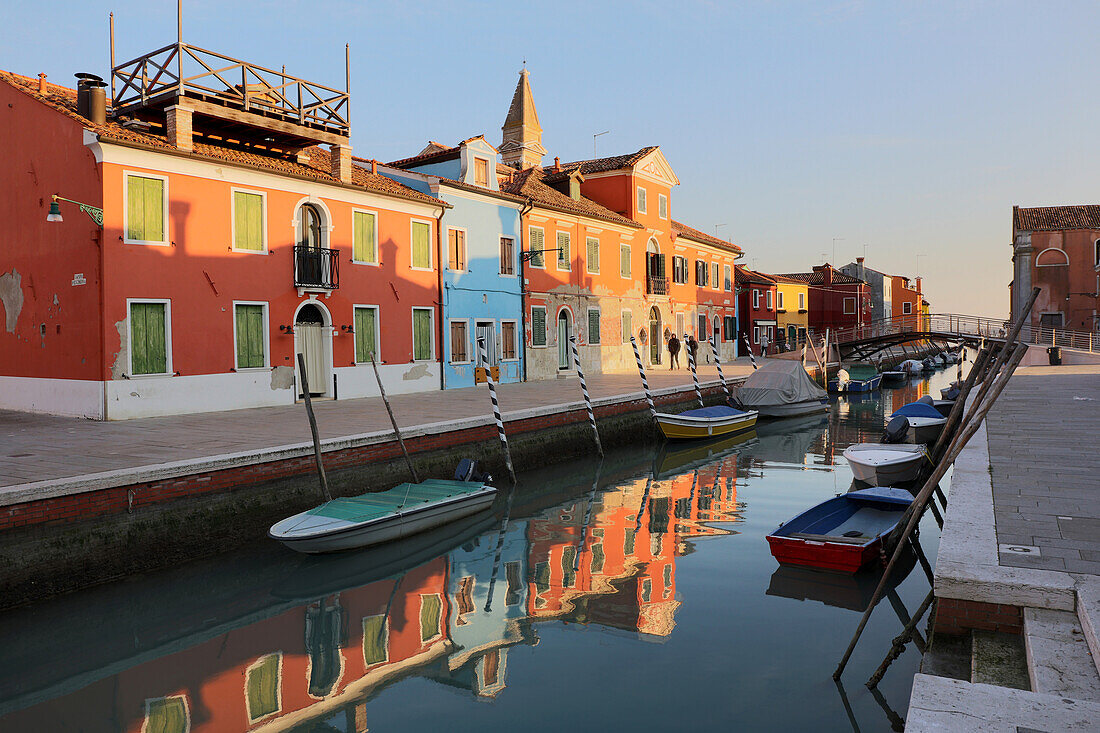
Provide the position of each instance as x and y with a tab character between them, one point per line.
323	658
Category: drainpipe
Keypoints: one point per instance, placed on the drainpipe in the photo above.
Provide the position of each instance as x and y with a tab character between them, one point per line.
439	292
527	206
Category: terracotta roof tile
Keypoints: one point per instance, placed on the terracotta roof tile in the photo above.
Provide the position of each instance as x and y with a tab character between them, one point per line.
785	279
683	230
743	274
600	165
63	99
818	278
1051	218
529	184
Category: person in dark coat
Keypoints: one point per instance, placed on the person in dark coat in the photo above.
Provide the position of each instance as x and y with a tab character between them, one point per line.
692	346
673	352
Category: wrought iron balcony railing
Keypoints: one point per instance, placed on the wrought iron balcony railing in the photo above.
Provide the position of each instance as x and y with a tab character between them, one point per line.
656	285
316	267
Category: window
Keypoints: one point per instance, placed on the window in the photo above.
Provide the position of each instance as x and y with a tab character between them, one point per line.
250	335
481	172
376	638
149	326
515	583
729	324
366	333
459	342
647	590
662	206
537	241
801	301
507	256
167	715
538	325
422	334
248	221
145	209
717	331
680	324
629	536
907	308
364	237
627	326
714	281
593	325
624	260
592	244
771	303
262	687
564	255
508	340
779	300
756	334
309	226
456	249
421	245
430	608
641	200
700	273
1051	256
701	332
568	574
849	306
727	277
679	269
755	299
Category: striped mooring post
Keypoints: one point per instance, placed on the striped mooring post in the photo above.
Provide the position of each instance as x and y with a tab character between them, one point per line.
718	363
752	358
584	391
694	376
641	371
496	407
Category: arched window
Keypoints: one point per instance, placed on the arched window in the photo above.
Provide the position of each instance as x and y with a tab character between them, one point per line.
1052	257
309	227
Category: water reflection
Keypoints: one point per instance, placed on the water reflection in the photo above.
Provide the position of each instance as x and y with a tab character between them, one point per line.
265	638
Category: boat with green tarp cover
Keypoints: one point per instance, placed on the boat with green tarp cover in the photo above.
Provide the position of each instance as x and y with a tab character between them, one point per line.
368	519
856	378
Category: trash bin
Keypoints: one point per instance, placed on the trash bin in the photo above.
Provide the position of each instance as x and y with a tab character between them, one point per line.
1055	355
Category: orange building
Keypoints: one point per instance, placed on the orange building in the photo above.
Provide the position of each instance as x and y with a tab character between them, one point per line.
906	303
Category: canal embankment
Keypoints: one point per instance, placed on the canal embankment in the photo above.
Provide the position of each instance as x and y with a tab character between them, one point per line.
176	489
1017	579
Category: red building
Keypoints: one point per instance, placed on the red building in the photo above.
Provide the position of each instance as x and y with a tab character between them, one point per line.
756	293
837	300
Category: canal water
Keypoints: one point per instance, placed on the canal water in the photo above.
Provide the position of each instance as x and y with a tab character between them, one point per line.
635	594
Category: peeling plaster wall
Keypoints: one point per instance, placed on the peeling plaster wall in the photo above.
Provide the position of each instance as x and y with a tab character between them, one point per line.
11	297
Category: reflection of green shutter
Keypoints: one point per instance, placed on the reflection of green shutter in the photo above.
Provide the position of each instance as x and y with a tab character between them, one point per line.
597	558
375	639
263	687
421	248
430	607
538	327
148	348
166	715
568	574
250	336
593	326
538	243
422	333
248	221
628	542
365	334
542	577
363	246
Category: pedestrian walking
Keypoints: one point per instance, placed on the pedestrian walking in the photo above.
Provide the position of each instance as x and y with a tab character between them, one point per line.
692	346
673	352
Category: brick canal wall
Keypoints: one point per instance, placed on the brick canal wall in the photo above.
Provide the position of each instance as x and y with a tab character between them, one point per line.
61	543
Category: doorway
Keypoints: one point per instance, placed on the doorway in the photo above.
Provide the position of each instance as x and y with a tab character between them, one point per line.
309	341
486	330
564	331
655	339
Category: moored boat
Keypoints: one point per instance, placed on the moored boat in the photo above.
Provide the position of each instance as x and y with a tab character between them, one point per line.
844	533
856	378
782	388
893	376
885	464
911	366
925	422
705	422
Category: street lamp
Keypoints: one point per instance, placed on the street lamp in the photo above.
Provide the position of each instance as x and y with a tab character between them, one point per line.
94	212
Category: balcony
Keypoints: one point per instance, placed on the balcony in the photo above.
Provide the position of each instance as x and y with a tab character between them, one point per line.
316	267
656	285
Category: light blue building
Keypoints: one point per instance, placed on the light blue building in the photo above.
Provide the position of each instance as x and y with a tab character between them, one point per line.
479	251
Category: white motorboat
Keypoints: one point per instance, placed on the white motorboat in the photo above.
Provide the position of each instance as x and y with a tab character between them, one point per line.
782	388
911	366
885	464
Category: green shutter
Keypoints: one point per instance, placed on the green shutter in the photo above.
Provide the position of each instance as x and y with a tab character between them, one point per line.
365	333
538	327
624	261
248	221
135	207
363	249
593	327
538	243
148	345
375	640
430	607
564	255
593	255
154	210
421	247
144	209
422	334
263	687
250	336
166	715
626	327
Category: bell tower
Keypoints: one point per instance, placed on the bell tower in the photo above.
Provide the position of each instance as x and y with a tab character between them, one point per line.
522	143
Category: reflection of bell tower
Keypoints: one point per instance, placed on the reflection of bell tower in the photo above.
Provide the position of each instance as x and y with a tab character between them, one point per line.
522	143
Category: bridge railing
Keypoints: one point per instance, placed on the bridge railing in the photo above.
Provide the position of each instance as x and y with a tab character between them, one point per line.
1084	340
939	324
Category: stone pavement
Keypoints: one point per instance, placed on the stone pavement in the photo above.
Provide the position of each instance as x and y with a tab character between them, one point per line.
43	448
1044	449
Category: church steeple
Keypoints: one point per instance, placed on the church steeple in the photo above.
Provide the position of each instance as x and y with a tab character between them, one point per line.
522	143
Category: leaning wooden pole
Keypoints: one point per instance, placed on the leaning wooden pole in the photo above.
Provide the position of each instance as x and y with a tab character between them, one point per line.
959	408
584	393
694	376
496	408
1006	347
393	420
641	372
313	428
915	509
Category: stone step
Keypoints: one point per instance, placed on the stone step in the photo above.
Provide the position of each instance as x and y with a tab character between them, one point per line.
999	659
1088	613
1058	657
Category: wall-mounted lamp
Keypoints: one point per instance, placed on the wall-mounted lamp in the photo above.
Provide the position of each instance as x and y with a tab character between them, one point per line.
94	212
288	330
349	329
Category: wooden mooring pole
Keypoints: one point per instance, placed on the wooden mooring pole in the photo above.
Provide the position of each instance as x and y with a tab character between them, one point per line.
584	393
393	420
496	408
313	428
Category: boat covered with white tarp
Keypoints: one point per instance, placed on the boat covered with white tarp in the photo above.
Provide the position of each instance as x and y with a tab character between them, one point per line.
782	388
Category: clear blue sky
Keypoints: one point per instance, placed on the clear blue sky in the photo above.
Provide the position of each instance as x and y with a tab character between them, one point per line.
911	128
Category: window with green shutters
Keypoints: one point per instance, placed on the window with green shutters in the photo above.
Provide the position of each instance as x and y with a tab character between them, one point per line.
593	325
250	335
538	325
593	259
166	715
627	327
624	260
262	687
430	609
376	637
565	257
422	334
365	241
248	221
535	246
144	209
148	338
366	334
421	245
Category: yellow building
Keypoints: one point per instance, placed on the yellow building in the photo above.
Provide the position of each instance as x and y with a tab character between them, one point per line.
792	309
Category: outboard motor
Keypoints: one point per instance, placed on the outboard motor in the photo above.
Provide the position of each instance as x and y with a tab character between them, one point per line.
896	430
927	399
467	471
953	393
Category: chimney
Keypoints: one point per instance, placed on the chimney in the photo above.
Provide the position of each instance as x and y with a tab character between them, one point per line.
918	285
177	121
827	275
859	260
374	167
557	163
340	157
91	98
42	83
